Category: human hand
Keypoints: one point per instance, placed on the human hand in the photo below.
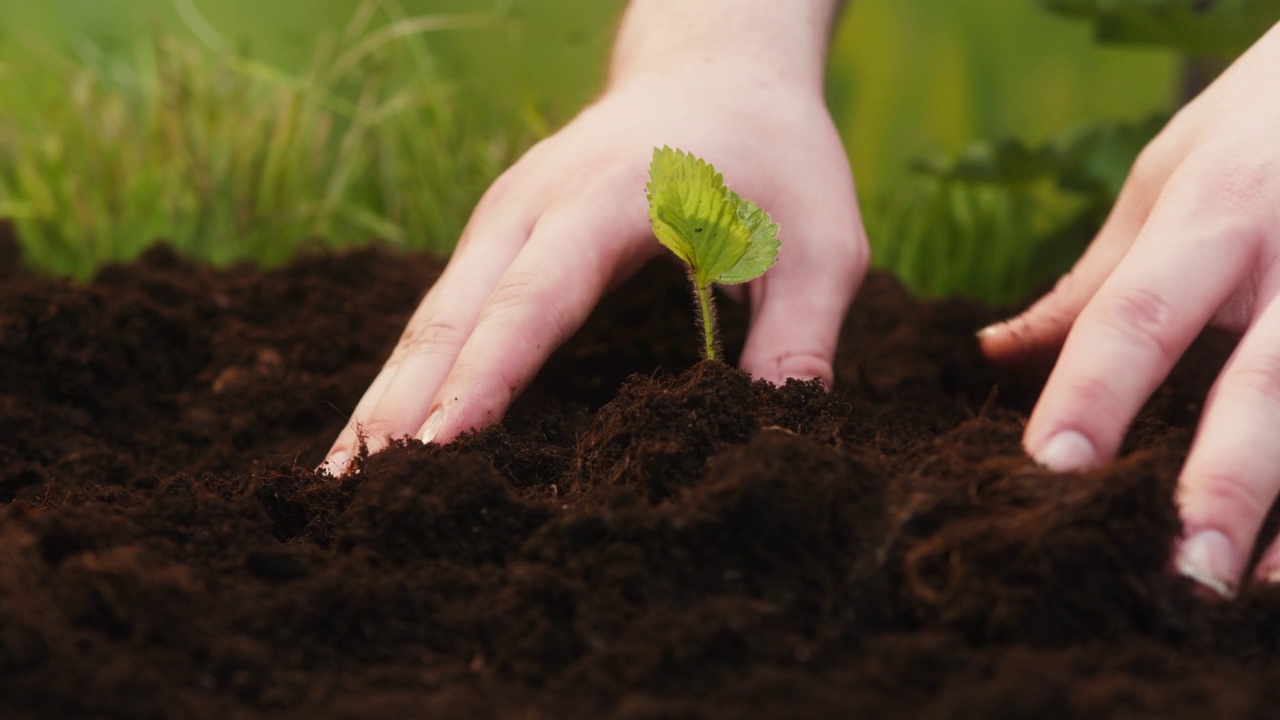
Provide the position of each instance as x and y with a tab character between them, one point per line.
1193	241
570	220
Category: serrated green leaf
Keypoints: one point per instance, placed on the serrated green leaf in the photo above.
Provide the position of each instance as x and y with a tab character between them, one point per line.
722	237
762	249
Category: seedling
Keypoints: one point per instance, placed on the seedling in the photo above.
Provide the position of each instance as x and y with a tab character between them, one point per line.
722	237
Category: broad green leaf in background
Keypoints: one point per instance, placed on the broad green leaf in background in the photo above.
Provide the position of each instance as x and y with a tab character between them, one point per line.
1093	160
1027	210
1004	216
1214	28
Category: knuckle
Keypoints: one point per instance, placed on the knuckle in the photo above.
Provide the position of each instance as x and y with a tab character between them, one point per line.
1149	171
836	275
1258	376
1066	285
1142	317
855	258
500	191
836	263
1241	185
348	438
522	298
377	431
1056	308
1158	162
1097	399
1233	494
429	337
517	292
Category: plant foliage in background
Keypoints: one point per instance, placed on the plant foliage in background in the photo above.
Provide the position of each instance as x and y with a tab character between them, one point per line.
1216	28
1006	216
1003	217
232	157
236	159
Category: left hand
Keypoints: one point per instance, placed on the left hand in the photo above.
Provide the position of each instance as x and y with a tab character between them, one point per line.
1193	241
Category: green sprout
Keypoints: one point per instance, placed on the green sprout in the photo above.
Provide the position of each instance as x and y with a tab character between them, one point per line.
722	237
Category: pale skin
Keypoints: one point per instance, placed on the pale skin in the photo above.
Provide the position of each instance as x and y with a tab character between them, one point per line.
1192	242
737	82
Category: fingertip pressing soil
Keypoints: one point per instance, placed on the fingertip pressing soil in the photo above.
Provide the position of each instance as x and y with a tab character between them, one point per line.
645	536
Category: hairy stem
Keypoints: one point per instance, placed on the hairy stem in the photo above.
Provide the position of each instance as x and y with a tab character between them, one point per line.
706	318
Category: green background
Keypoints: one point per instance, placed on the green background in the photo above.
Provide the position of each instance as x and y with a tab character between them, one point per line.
222	126
907	77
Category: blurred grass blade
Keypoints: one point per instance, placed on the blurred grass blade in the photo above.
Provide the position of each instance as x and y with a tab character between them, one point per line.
101	155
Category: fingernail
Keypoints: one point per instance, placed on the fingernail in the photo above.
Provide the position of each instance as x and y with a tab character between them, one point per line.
989	330
335	464
1270	575
1208	558
432	426
1067	451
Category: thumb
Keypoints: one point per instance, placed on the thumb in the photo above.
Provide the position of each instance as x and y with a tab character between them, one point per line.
800	304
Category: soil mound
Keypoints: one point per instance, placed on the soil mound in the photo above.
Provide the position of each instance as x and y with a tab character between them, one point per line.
645	536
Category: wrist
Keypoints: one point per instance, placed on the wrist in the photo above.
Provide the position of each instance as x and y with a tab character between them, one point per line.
775	44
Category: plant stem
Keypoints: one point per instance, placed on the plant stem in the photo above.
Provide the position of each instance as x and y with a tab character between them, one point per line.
706	318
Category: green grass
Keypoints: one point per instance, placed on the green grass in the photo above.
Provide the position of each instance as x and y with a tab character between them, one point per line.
243	129
233	159
544	54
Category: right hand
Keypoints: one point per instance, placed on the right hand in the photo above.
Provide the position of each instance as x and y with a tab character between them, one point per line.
569	220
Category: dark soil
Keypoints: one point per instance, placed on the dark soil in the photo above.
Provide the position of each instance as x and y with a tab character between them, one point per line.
644	537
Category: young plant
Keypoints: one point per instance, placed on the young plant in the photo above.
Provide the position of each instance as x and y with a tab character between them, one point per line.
722	237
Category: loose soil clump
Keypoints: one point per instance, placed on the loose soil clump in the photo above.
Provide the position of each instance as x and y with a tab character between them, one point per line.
645	536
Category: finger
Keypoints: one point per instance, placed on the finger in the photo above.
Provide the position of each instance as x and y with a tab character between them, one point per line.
396	402
575	252
1032	339
1232	476
800	304
1143	317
